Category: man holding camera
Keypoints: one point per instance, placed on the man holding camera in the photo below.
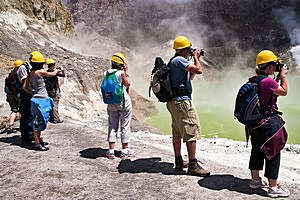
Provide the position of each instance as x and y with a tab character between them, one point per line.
53	89
185	122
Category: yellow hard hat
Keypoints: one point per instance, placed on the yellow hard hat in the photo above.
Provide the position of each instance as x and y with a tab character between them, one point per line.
36	57
118	58
265	56
181	42
18	63
50	61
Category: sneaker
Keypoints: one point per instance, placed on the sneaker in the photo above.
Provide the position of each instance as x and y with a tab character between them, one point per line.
43	143
278	192
258	184
10	130
127	153
39	147
195	169
110	155
180	164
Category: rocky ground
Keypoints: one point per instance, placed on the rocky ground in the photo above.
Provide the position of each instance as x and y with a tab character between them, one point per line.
75	167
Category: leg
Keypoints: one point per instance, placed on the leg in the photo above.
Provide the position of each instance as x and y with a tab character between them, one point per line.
25	129
37	136
256	163
191	148
12	118
177	146
255	175
55	112
111	145
125	122
113	126
272	170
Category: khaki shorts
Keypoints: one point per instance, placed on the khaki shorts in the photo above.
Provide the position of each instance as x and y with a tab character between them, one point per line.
185	122
14	102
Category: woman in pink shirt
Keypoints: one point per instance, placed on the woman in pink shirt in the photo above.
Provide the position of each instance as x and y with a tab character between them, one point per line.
269	136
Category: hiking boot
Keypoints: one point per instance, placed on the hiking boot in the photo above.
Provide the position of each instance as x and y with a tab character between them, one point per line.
258	184
39	147
110	155
278	191
195	169
127	153
180	164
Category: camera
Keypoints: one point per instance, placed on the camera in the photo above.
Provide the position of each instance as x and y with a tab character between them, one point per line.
192	50
279	66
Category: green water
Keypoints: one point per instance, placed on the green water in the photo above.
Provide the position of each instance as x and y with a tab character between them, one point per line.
215	110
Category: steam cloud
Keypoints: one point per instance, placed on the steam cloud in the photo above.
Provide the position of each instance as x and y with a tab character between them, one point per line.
291	22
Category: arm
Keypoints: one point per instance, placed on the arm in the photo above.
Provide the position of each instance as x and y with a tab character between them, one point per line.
195	68
26	86
125	77
44	73
283	87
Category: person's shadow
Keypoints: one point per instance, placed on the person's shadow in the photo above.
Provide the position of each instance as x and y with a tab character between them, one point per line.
231	183
93	153
14	140
147	165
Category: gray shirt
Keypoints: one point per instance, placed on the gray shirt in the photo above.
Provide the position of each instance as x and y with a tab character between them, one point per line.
38	87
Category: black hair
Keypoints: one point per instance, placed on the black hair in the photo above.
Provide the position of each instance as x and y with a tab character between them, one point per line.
117	66
36	66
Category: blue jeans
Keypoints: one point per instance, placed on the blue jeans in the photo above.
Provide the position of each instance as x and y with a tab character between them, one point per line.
25	104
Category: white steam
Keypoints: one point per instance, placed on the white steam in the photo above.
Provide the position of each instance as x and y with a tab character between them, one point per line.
88	42
291	22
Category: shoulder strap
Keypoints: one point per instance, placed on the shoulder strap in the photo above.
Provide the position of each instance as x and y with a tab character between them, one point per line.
110	73
259	78
184	77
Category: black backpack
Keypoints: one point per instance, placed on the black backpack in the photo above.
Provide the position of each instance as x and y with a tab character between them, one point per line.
50	83
12	83
160	83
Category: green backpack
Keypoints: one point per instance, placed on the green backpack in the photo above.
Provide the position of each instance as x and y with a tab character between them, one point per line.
111	91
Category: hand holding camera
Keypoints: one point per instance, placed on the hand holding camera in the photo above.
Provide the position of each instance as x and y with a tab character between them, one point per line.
282	70
196	52
125	67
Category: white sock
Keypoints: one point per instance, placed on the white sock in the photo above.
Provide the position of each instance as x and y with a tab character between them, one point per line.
111	151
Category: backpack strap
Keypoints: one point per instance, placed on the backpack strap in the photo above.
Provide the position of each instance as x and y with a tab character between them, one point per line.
110	73
185	75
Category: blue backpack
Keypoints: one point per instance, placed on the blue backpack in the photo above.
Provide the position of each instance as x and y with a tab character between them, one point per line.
247	108
111	91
